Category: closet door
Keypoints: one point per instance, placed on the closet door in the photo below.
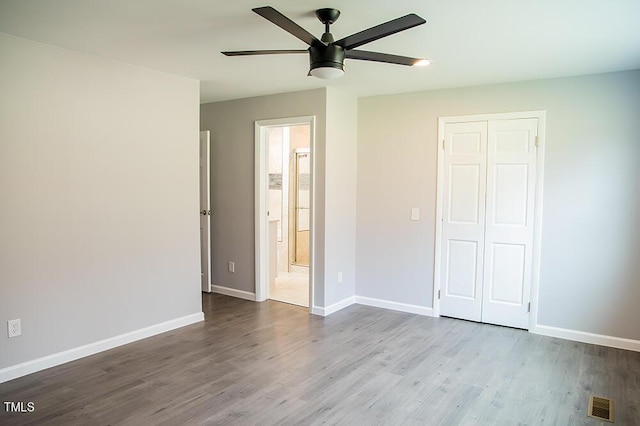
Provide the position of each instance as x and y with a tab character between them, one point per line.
465	165
508	240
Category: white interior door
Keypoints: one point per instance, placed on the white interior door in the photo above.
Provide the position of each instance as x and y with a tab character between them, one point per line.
465	165
511	179
205	213
488	204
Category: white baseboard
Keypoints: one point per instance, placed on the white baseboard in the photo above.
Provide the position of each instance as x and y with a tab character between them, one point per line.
396	306
233	292
317	310
584	337
22	369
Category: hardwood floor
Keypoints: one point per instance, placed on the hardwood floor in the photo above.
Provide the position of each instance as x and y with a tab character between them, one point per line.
272	363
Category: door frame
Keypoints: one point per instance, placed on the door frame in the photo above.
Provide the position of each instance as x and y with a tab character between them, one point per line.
537	209
261	175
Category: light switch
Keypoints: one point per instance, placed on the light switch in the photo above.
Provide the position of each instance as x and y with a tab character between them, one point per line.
415	213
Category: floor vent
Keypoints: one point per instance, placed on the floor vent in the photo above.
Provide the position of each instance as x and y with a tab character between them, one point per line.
601	408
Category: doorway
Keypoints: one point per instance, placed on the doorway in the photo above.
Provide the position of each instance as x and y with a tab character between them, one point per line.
284	239
489	213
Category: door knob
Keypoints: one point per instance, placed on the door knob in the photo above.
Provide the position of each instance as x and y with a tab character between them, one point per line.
203	212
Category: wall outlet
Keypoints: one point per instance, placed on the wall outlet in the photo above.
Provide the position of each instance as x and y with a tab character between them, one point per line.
232	267
339	277
14	328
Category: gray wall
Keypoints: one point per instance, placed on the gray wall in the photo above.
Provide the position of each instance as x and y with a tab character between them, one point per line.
232	186
590	274
340	203
232	180
99	189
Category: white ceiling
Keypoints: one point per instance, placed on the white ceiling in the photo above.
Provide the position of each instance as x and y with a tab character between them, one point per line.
470	42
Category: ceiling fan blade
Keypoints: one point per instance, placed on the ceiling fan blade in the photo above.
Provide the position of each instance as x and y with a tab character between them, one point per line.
288	25
364	55
262	52
374	33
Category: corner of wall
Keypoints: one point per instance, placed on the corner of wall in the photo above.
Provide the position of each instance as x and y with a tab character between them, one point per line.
340	195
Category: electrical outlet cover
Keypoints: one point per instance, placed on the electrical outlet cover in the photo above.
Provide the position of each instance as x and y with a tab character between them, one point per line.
14	328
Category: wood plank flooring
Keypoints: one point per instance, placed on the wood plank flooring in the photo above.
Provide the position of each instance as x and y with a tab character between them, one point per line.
272	363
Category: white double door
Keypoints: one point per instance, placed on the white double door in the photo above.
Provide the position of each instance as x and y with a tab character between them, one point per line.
488	197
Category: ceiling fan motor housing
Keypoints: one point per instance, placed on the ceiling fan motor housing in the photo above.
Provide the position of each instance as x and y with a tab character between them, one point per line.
328	15
331	56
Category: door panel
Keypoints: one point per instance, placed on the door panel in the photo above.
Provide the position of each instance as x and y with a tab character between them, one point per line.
461	272
464	193
463	219
510	191
507	280
466	142
511	166
511	139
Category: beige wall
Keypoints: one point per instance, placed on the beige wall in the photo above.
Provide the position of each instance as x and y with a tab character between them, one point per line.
590	274
99	190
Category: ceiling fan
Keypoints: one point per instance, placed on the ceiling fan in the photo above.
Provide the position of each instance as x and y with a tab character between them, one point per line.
326	56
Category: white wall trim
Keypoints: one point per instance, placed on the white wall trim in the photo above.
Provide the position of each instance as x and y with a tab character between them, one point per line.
24	368
439	212
492	116
543	330
537	219
396	306
584	337
318	310
241	294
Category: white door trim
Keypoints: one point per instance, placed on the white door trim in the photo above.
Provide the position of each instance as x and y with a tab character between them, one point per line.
261	200
537	226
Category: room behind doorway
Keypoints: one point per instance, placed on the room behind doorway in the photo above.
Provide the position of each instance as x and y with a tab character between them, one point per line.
289	213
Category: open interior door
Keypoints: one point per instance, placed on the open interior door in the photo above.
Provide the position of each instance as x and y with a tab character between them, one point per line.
205	213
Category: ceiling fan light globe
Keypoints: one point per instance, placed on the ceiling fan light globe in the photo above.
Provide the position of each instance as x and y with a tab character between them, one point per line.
327	73
422	63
